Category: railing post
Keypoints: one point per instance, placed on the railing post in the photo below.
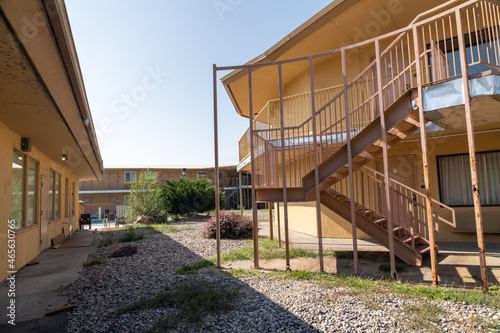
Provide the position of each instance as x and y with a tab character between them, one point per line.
349	159
390	229
472	153
240	177
252	157
278	222
316	170
283	169
216	169
271	236
425	162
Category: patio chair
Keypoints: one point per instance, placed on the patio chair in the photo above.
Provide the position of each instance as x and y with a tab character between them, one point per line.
85	219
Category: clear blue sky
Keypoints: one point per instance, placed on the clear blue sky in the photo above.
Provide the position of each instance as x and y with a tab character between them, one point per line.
147	66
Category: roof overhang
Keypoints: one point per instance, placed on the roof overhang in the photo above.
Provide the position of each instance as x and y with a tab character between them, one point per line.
339	24
42	94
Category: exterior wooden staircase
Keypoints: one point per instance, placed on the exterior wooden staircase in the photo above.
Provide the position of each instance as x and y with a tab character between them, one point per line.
408	245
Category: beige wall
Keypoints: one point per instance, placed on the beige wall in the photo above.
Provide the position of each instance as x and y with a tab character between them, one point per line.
302	216
28	239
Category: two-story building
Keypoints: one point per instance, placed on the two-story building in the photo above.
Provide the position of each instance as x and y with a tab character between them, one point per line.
113	189
379	114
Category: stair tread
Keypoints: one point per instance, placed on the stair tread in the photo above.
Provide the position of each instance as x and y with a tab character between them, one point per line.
408	238
422	248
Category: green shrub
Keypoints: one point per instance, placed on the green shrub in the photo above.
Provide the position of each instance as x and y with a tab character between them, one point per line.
194	267
184	196
232	226
145	198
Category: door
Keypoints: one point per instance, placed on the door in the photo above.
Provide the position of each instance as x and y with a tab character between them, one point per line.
113	180
44	212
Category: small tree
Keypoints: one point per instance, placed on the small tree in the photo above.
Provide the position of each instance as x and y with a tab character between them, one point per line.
186	196
145	197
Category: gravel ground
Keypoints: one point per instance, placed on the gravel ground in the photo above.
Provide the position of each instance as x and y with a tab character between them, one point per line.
265	303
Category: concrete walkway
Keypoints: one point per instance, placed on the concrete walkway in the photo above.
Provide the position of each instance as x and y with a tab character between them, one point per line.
36	284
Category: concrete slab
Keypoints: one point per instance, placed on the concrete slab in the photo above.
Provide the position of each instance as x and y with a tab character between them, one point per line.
36	284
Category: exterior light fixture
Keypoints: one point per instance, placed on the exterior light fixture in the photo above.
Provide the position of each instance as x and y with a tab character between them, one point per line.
65	157
184	172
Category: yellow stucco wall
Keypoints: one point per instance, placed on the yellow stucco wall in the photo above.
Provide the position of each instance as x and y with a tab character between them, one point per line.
28	239
302	216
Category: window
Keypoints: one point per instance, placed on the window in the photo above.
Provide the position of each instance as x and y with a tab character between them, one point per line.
24	190
32	191
54	195
202	175
455	179
130	176
66	197
17	203
126	199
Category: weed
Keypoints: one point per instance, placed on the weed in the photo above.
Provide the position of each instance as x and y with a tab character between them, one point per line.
130	236
93	262
192	299
166	228
105	243
194	267
423	315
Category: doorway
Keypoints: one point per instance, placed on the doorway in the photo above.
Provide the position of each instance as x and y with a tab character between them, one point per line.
113	180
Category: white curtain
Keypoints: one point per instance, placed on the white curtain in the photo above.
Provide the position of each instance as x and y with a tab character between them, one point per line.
455	179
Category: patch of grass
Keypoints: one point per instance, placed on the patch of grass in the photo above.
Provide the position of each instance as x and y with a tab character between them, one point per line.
166	228
268	249
386	267
423	315
93	262
384	286
194	267
342	254
130	236
105	243
192	300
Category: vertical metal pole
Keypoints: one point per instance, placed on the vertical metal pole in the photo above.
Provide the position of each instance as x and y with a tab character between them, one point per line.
254	204
216	149
386	160
278	223
271	236
283	171
472	154
316	170
241	192
349	159
425	162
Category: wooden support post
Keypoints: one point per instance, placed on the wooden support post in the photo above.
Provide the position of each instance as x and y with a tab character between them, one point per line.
216	169
386	160
425	163
278	223
283	171
254	204
472	154
271	236
241	193
316	170
349	159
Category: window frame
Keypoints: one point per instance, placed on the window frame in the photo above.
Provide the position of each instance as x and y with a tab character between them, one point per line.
201	172
27	164
468	159
130	173
55	200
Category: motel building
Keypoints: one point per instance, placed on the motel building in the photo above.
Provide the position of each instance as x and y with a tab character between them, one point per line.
379	119
47	138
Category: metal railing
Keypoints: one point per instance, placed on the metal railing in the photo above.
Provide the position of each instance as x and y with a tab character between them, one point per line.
105	212
434	42
408	206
